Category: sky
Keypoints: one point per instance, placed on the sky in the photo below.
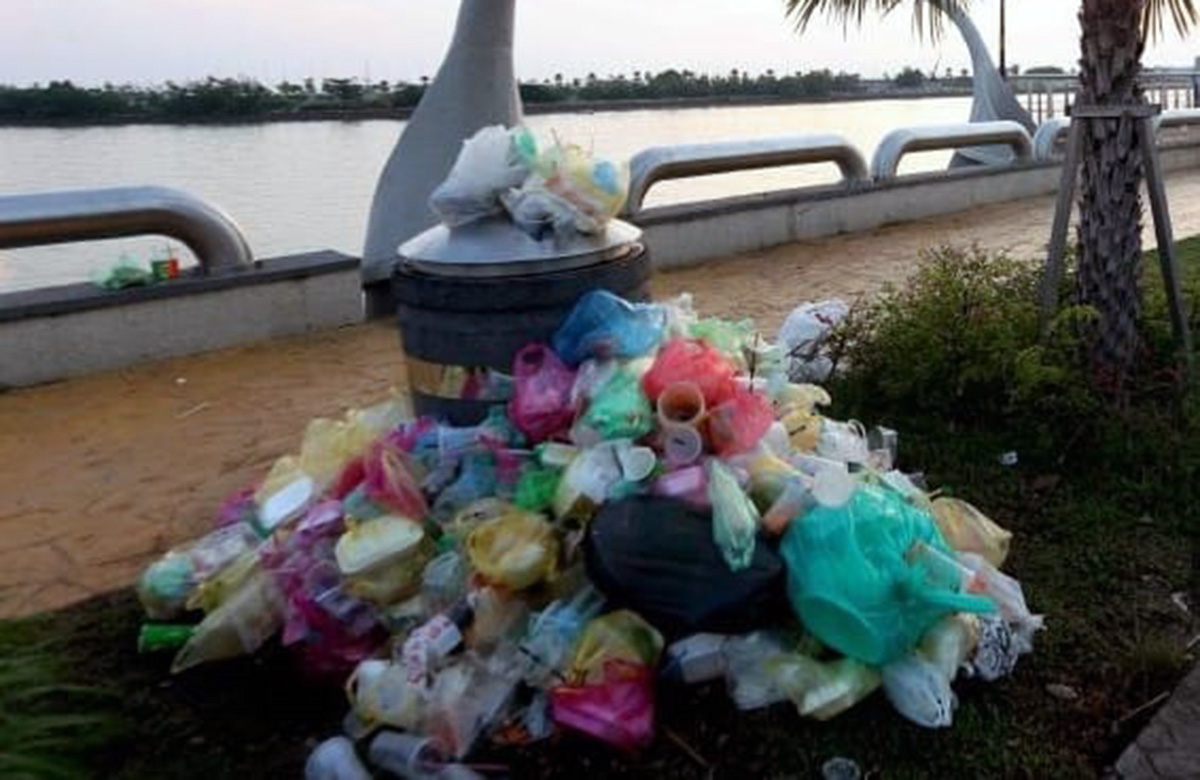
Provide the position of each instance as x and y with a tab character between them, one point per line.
151	41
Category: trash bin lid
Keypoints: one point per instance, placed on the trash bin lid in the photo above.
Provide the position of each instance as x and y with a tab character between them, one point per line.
497	247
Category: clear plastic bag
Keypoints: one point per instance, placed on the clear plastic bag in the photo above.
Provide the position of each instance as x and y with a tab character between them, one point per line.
735	518
469	698
823	690
381	694
603	325
487	166
541	406
591	191
240	625
920	692
803	336
748	669
553	634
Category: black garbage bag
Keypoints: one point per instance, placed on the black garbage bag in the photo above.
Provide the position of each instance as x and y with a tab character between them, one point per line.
657	557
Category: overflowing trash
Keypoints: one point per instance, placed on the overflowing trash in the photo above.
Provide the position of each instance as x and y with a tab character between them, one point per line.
546	189
656	504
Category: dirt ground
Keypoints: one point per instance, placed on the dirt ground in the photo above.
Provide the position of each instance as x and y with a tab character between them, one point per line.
103	473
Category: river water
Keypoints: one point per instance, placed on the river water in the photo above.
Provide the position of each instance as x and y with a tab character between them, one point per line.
296	186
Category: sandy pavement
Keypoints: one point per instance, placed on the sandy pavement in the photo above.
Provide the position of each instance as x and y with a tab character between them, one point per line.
103	473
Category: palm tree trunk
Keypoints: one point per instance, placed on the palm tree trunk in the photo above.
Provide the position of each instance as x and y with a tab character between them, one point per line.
1110	226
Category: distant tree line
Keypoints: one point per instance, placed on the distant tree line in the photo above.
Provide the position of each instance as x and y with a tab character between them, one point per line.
225	98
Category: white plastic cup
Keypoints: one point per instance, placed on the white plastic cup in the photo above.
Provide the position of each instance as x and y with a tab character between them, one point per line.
681	403
405	755
335	759
682	444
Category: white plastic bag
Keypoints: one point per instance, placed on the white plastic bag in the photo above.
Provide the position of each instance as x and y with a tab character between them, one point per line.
920	692
487	167
803	335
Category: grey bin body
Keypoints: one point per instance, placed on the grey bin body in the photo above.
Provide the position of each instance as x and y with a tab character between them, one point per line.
471	297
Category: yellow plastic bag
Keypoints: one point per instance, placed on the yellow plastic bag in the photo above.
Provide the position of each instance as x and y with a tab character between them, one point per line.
211	594
516	550
618	636
968	530
769	476
796	407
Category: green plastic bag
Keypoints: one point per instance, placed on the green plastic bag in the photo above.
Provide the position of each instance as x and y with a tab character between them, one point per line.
735	518
620	410
536	488
856	586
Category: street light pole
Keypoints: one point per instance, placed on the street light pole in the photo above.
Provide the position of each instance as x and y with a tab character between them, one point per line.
1003	62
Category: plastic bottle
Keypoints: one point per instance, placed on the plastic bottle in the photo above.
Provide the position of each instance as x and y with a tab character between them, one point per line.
796	499
696	659
153	638
441	636
335	759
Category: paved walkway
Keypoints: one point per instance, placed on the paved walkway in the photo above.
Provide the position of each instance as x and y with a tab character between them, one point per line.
102	474
1169	748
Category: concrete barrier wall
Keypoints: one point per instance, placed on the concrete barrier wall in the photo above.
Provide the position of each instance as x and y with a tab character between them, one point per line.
54	333
693	233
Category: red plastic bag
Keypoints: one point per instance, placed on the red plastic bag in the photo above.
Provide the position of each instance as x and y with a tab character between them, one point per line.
619	710
393	479
541	406
739	423
683	360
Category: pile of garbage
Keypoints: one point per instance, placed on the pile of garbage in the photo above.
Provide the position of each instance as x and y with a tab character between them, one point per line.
657	503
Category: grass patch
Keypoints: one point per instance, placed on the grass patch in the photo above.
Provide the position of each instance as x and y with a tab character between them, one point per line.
1100	502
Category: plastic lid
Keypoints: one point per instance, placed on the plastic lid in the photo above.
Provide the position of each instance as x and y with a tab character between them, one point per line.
376	541
497	247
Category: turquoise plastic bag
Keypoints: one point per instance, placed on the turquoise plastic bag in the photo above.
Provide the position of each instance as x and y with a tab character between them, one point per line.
855	584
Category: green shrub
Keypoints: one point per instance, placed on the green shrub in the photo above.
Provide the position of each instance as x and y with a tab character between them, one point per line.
957	350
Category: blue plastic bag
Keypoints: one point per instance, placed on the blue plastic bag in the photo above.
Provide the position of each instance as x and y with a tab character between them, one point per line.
603	325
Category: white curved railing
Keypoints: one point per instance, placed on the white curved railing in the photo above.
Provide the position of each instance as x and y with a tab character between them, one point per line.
896	144
661	163
82	215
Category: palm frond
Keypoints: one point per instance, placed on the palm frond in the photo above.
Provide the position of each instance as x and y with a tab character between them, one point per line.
1154	16
927	14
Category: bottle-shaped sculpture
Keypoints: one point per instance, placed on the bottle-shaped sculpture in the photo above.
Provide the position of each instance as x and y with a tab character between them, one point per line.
474	87
993	98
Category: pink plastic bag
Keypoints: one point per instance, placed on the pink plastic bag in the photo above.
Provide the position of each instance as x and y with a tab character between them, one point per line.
541	406
683	360
619	711
393	479
739	423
